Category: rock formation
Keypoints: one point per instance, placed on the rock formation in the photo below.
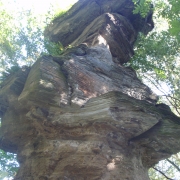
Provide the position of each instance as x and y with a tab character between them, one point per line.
83	115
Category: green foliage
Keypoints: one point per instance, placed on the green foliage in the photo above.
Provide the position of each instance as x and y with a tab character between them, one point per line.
59	14
157	63
19	43
156	52
172	13
142	7
8	165
156	57
22	39
54	49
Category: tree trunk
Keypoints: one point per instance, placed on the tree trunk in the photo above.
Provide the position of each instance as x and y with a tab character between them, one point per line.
83	115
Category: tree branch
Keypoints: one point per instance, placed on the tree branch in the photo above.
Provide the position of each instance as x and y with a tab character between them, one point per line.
173	164
162	173
172	101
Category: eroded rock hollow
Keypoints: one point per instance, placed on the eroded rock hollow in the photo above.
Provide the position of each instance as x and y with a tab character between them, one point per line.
83	115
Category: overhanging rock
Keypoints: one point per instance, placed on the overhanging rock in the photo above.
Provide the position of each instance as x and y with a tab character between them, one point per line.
95	21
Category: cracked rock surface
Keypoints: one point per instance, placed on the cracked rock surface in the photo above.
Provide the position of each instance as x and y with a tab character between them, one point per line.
83	115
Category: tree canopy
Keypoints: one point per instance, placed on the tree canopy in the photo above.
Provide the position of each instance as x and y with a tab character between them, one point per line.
157	54
157	63
156	58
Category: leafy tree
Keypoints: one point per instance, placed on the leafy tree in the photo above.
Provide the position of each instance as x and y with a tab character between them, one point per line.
157	63
8	165
156	57
142	7
22	40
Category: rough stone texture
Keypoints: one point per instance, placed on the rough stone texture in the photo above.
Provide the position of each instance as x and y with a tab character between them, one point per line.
73	120
94	21
113	30
82	115
68	27
97	68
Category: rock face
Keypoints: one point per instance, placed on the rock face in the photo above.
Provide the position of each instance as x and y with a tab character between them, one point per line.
82	115
101	21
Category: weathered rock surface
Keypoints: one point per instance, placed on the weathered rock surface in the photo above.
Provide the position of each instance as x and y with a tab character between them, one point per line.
95	21
112	30
97	69
68	27
82	115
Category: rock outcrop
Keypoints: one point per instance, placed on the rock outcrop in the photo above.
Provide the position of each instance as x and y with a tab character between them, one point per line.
82	115
101	21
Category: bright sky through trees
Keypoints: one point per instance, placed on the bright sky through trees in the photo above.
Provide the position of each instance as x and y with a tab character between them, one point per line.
41	6
25	21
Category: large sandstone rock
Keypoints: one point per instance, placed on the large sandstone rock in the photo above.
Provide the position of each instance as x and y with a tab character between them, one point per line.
95	21
82	115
